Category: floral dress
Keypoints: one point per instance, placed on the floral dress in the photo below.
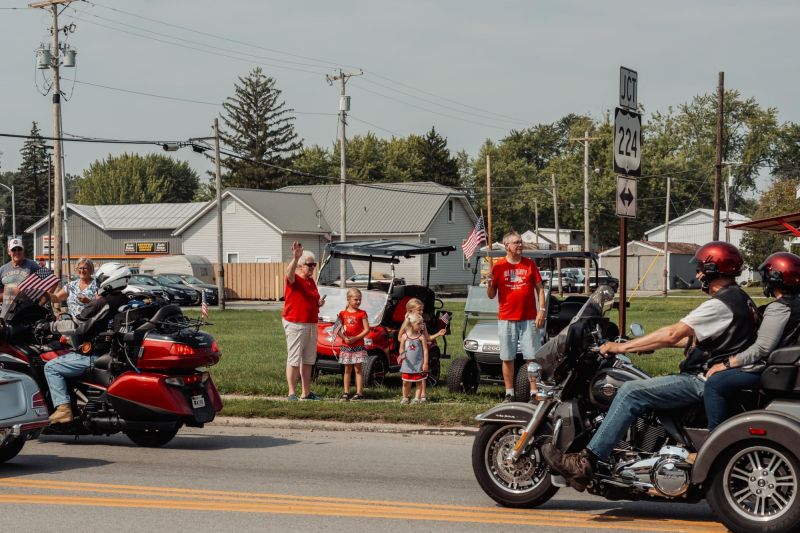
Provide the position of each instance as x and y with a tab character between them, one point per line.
74	292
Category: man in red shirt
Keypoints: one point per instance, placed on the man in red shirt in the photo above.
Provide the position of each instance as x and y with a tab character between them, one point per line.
521	312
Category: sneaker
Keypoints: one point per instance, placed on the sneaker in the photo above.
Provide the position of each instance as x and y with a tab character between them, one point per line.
509	398
311	396
423	400
415	401
533	399
292	398
405	401
576	468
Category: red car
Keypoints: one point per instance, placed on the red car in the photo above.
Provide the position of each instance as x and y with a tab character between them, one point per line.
385	309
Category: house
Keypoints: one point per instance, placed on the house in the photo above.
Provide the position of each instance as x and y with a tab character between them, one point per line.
124	233
260	226
645	265
545	238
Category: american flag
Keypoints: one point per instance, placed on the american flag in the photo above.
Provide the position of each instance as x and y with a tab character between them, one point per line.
37	283
474	240
444	320
204	306
336	329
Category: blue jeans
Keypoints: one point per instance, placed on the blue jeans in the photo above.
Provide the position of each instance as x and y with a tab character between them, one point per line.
522	332
721	387
635	398
70	365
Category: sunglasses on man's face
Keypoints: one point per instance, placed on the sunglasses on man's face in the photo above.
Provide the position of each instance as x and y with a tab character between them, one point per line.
16	250
311	265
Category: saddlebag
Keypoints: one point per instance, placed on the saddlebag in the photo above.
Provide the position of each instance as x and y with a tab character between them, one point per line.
780	375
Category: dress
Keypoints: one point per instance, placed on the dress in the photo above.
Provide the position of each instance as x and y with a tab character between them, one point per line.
411	368
74	292
352	325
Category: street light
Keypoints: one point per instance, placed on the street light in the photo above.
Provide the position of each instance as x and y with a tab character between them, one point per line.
727	197
13	209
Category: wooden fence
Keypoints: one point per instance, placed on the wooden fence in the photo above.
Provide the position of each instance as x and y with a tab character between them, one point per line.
254	281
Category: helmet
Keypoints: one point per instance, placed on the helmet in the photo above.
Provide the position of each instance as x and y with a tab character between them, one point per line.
780	270
717	259
111	277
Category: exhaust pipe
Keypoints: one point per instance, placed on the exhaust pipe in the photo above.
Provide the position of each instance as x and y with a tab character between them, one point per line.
115	423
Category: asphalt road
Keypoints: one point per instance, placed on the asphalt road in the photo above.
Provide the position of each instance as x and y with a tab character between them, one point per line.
241	479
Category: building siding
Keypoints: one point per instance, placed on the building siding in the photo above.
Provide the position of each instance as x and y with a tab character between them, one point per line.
450	268
649	263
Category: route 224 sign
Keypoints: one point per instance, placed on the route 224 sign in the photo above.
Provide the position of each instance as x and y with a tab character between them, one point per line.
627	142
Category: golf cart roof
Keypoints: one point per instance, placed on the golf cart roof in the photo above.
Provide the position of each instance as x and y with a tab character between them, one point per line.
384	251
548	254
782	224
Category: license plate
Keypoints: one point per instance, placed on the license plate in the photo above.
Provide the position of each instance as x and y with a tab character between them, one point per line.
198	401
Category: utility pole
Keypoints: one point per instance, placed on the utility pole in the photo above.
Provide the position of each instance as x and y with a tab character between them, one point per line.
220	266
344	107
536	220
666	240
490	238
558	240
57	174
718	159
586	239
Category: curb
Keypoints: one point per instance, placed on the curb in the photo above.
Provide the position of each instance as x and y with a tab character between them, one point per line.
323	425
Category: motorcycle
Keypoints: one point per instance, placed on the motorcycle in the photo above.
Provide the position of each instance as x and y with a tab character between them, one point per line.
23	413
150	379
747	469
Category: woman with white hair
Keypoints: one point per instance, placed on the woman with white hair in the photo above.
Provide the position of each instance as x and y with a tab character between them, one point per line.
300	310
79	292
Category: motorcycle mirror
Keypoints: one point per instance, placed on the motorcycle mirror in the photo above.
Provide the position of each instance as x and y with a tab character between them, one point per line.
637	330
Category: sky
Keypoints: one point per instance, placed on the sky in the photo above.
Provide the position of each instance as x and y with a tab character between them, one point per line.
473	70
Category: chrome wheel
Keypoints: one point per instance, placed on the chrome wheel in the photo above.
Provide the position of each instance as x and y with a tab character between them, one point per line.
760	483
516	477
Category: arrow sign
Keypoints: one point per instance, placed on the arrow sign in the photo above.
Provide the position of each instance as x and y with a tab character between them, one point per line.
626	197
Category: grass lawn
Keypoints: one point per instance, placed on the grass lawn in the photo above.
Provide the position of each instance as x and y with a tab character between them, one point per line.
254	363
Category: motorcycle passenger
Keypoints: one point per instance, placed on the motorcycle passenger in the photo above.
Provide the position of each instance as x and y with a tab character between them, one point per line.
111	279
780	326
720	327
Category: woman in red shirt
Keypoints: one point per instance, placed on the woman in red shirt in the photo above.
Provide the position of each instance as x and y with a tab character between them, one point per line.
300	309
355	326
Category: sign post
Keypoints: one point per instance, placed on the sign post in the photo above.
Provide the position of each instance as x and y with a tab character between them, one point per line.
627	164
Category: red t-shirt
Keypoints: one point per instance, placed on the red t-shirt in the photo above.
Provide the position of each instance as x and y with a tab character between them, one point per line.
301	303
352	322
516	288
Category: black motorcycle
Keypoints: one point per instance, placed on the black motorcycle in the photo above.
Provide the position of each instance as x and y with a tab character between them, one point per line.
747	468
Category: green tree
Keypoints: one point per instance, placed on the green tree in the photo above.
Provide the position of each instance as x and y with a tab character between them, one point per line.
778	200
314	160
30	188
136	179
259	127
436	162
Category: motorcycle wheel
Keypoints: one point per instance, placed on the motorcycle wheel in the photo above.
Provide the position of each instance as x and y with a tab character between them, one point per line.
152	438
524	483
11	449
755	489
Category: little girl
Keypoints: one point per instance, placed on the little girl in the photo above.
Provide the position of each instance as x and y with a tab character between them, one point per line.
415	305
355	326
414	358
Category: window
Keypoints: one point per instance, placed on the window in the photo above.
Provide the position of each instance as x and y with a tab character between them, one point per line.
450	208
232	257
433	259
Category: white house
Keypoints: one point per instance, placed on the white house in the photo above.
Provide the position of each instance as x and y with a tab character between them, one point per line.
547	237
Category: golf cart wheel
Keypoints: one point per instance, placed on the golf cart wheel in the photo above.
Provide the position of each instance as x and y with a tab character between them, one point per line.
522	385
463	376
374	370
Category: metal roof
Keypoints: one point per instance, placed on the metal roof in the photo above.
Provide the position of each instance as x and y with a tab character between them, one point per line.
133	216
709	213
678	248
382	208
781	224
384	248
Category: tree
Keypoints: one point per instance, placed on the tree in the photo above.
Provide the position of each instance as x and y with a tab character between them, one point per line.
136	179
314	160
778	200
30	188
436	162
259	127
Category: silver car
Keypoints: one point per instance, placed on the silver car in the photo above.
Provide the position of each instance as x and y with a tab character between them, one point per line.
23	411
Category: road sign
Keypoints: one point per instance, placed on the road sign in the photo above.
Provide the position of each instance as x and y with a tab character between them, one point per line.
626	197
627	142
628	88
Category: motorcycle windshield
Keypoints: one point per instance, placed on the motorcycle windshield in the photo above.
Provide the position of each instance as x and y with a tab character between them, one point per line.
550	355
14	302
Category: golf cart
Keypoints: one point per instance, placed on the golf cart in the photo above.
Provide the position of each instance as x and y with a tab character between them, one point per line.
482	364
385	307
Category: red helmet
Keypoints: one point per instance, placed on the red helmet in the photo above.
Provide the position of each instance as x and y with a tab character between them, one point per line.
716	259
780	270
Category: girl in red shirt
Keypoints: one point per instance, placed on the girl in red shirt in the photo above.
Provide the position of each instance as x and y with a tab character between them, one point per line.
355	326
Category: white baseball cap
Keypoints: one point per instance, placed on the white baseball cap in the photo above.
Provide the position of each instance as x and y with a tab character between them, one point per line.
15	243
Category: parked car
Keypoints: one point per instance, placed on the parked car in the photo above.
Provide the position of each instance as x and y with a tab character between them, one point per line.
23	411
385	308
568	281
179	293
603	277
481	363
139	284
211	291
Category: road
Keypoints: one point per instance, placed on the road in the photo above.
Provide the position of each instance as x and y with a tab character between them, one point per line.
242	479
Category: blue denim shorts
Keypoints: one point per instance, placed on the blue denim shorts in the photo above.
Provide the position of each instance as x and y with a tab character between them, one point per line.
518	333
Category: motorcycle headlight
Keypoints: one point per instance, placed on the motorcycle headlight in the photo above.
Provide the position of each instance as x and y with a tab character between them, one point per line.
470	345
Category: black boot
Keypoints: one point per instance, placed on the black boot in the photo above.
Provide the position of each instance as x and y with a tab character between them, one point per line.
576	468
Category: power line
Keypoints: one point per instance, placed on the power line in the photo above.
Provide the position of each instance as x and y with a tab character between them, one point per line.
373	125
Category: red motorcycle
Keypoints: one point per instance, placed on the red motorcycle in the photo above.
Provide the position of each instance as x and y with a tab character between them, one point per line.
151	376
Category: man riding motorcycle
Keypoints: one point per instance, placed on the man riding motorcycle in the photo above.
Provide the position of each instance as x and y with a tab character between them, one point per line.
721	327
111	279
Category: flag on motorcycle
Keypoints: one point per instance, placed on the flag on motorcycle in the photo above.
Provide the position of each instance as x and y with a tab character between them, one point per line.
37	283
204	306
474	240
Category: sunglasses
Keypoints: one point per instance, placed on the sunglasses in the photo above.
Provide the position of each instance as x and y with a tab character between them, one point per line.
311	265
18	249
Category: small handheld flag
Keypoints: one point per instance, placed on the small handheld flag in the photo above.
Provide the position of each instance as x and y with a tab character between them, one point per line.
204	307
37	283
